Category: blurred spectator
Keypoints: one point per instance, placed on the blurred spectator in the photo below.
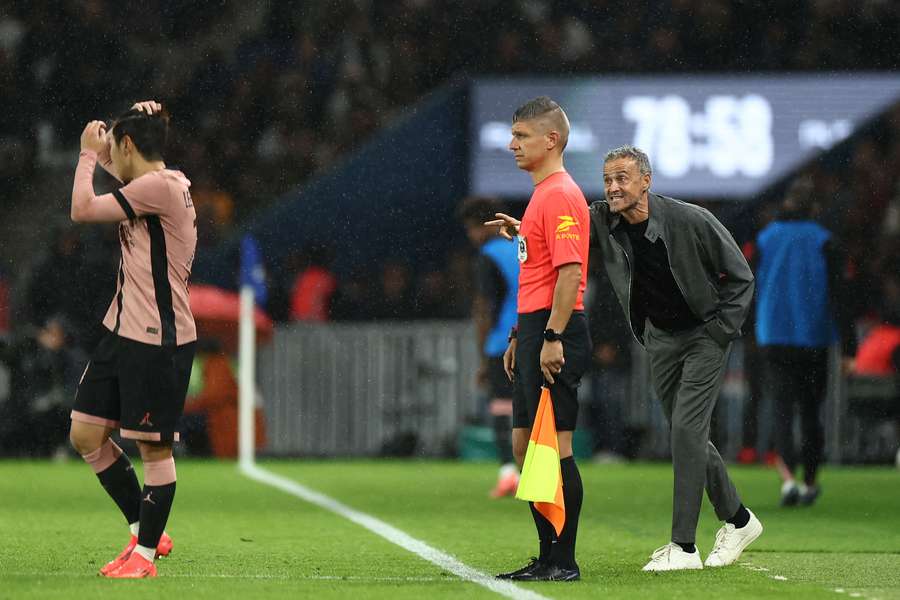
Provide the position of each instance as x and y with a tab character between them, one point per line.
75	280
44	371
433	299
394	298
798	284
494	313
351	300
879	351
314	284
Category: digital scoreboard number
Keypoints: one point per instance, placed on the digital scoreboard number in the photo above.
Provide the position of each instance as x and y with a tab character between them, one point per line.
707	137
731	135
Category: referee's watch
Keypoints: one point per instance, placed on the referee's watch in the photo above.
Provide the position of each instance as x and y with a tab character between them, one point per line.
551	336
512	334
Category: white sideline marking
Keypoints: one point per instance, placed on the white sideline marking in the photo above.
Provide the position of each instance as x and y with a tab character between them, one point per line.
93	575
391	534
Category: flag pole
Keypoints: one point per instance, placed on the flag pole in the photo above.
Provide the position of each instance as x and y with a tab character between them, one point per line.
246	378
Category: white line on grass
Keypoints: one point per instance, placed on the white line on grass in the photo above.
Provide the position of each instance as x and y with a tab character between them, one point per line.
89	575
391	534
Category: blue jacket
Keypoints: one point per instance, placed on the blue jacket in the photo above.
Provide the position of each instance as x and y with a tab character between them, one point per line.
503	254
793	306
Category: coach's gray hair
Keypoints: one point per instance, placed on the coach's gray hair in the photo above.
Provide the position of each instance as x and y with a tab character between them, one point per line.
635	154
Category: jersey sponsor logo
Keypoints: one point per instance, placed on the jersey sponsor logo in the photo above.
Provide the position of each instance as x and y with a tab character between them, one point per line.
565	224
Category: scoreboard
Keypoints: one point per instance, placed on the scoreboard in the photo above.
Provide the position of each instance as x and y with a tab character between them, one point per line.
707	136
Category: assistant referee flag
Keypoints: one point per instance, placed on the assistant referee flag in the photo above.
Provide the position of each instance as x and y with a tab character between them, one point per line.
541	480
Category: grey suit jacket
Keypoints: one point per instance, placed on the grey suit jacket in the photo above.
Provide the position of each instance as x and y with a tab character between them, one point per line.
707	264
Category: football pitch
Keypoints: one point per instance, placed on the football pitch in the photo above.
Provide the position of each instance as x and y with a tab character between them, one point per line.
239	538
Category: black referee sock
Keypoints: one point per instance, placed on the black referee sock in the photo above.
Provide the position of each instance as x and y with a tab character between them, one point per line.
156	502
740	518
546	534
121	483
502	436
563	553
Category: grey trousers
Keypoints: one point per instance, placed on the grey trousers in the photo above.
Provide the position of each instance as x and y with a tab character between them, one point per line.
687	371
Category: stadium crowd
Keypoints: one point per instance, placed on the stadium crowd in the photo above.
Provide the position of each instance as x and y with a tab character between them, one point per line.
266	97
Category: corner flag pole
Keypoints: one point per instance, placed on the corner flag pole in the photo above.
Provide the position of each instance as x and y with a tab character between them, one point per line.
253	290
246	378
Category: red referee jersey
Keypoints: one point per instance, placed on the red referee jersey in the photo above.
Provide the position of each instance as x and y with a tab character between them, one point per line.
555	231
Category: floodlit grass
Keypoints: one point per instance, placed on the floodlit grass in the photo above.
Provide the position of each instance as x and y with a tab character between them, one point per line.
235	538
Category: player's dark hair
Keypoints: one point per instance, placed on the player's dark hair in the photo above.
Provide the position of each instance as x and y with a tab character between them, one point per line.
475	209
148	133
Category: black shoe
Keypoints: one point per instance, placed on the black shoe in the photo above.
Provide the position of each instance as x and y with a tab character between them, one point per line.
524	571
548	572
809	495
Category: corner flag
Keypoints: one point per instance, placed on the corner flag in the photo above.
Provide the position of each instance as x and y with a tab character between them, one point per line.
541	480
253	273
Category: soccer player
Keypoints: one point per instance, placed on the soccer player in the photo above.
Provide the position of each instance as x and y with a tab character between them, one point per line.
494	313
138	375
551	344
685	288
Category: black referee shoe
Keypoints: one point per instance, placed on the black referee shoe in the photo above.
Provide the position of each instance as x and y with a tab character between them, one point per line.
548	572
524	571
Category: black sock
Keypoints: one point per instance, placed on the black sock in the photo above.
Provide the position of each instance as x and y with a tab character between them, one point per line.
689	548
546	534
121	483
563	553
503	438
740	518
156	502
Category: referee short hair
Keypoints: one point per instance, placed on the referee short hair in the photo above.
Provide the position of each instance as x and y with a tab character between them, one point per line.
544	106
636	154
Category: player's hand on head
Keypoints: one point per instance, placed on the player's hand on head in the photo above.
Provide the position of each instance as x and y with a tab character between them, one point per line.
147	106
94	137
507	224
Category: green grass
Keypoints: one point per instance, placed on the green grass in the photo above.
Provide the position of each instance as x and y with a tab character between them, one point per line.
235	538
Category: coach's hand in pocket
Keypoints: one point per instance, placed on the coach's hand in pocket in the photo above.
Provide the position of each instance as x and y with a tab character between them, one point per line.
552	360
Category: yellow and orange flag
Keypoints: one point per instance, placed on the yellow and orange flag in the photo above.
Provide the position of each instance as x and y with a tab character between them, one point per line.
541	479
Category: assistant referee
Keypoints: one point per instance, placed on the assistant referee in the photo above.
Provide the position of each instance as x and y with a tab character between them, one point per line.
551	344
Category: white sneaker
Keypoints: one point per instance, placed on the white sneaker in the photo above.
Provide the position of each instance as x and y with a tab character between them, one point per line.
672	558
731	541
